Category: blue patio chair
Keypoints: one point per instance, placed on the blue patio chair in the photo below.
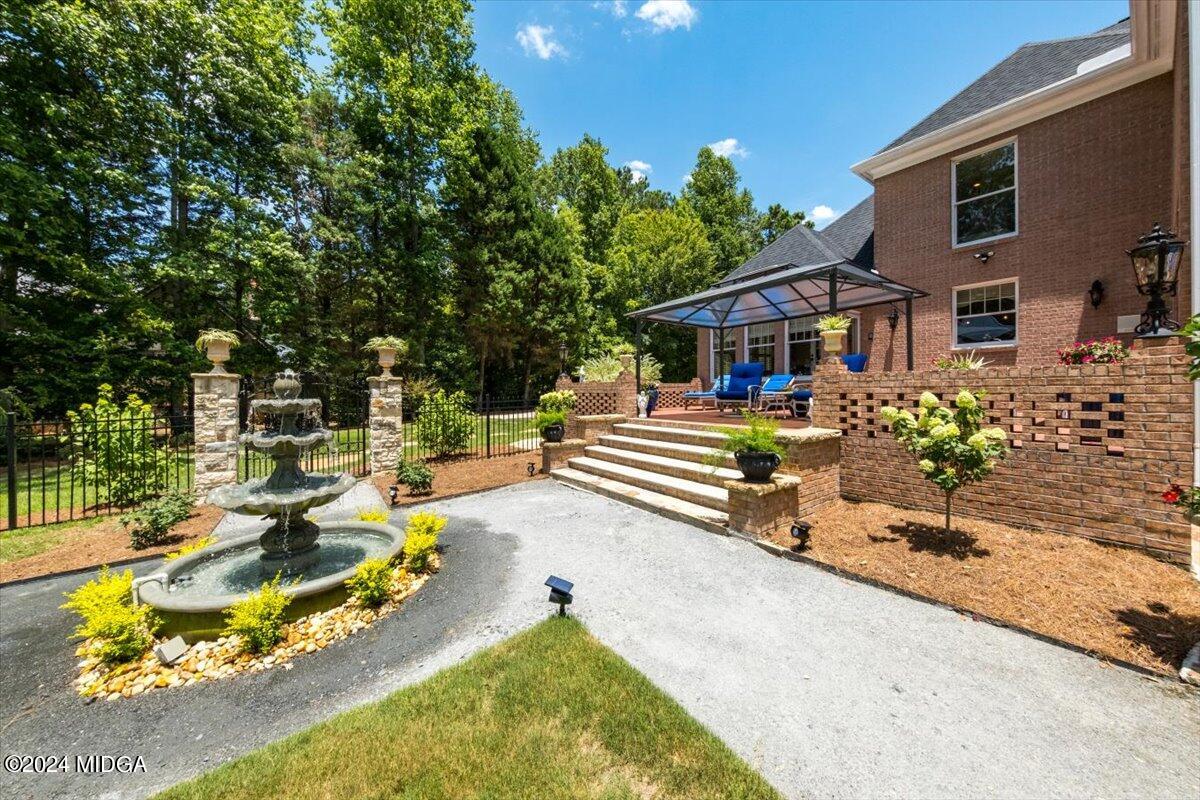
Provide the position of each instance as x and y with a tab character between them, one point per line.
775	393
742	379
803	398
701	397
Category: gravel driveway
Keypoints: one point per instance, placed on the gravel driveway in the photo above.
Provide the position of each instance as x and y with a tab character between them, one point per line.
829	687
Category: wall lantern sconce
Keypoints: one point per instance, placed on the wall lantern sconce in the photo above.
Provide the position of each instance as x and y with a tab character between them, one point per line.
983	255
1156	268
1096	293
562	361
893	318
560	593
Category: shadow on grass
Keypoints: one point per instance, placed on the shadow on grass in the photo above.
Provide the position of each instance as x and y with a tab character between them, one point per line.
1165	633
929	539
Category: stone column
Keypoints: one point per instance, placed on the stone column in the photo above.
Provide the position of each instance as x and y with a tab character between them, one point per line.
215	430
386	423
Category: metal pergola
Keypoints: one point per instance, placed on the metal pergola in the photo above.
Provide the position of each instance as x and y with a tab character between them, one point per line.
786	292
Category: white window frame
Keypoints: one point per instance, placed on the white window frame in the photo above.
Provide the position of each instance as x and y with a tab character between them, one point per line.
954	345
1016	190
714	363
852	341
746	340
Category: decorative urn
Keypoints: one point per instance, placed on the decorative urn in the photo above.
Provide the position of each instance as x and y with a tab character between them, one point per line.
218	353
833	342
387	359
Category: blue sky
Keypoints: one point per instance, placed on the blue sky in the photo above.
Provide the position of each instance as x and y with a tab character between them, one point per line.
805	89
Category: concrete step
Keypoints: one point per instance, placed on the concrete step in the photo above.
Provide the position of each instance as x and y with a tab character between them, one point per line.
702	494
670	433
661	504
657	447
664	465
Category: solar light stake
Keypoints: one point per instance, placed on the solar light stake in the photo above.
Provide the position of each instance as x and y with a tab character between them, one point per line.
560	593
393	492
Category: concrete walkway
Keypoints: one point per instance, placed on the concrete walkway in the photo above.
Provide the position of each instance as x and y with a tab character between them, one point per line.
830	688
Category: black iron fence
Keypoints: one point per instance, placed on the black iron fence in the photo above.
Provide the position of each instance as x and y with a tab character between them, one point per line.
347	451
454	426
63	470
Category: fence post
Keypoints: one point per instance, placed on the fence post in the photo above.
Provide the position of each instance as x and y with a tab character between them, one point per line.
10	440
215	428
487	423
385	423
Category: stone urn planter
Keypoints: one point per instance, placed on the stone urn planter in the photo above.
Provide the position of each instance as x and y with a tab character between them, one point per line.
757	467
387	359
833	342
218	354
554	433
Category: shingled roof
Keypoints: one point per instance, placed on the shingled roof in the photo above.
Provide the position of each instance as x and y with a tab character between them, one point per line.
1033	66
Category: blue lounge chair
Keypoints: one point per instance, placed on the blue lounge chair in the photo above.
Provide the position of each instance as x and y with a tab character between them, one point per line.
701	397
803	398
743	379
775	393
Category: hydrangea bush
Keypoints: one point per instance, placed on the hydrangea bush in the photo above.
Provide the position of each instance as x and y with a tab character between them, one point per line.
953	449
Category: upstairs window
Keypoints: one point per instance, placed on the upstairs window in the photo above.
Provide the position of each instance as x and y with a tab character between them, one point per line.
985	316
985	195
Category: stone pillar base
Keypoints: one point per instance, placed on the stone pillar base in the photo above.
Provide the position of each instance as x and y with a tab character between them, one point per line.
591	428
386	423
761	509
555	454
215	431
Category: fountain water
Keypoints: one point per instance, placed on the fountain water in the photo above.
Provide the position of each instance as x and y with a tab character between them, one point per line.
192	589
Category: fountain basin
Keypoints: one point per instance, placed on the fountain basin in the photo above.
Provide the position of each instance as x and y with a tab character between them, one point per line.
192	592
286	444
254	497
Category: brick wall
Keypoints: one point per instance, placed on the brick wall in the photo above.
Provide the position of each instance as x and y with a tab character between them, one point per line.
1093	446
670	395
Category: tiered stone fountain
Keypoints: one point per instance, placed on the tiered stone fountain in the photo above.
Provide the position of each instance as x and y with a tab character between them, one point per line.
313	559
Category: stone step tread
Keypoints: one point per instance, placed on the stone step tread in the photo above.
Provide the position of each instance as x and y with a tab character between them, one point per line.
699	493
662	504
662	432
656	463
680	450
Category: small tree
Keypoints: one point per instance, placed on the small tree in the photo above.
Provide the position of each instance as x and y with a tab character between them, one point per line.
445	423
953	449
112	446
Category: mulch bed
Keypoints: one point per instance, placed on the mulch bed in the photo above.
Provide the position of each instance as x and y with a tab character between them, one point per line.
1110	601
106	543
453	477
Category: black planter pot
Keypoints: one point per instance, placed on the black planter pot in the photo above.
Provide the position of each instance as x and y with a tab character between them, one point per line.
554	433
758	467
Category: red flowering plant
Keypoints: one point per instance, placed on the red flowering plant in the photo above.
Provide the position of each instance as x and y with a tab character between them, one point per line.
1185	497
1094	351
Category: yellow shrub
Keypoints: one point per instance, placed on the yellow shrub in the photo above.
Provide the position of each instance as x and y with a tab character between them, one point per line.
371	583
421	538
105	605
258	619
188	549
379	515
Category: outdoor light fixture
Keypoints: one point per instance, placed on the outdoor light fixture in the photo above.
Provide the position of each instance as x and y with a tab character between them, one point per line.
393	492
1156	268
801	532
893	318
983	255
1096	293
560	593
530	468
562	361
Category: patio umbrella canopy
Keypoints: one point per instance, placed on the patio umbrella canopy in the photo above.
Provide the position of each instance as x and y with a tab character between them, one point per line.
783	292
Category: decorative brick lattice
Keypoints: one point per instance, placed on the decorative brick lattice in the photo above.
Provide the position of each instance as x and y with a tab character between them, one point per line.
1093	446
670	395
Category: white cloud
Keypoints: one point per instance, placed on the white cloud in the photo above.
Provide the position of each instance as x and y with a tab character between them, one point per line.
823	213
538	40
729	147
667	15
617	8
640	169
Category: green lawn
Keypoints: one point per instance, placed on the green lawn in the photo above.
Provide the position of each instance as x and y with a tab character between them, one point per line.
26	542
550	713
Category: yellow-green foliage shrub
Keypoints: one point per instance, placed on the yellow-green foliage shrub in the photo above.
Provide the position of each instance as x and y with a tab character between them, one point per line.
258	619
420	539
188	549
122	631
379	515
371	583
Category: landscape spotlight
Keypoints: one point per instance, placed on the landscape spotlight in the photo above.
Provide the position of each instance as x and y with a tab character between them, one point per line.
560	593
530	468
393	492
801	532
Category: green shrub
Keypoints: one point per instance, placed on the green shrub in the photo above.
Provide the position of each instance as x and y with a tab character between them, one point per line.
122	630
416	475
258	619
445	424
608	366
563	400
150	522
211	335
371	583
757	437
112	447
543	419
420	539
379	515
953	449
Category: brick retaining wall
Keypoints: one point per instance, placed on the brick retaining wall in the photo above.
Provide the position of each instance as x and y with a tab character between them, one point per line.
1094	446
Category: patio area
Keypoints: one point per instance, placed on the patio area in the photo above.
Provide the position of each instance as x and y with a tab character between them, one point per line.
708	416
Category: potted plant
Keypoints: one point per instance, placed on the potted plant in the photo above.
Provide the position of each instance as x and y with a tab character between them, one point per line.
754	447
387	348
551	416
833	329
216	344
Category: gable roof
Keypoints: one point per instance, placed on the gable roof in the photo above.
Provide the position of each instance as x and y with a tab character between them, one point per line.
850	237
1032	67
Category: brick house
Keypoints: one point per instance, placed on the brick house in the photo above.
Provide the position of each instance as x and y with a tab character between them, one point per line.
1006	205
